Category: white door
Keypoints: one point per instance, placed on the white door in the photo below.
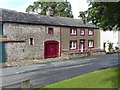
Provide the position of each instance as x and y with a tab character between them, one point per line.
81	47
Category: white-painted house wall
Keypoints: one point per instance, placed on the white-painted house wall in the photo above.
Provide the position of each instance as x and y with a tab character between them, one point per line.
109	37
119	39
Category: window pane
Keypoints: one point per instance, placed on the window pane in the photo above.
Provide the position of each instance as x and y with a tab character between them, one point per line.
31	41
73	31
82	32
90	44
72	44
50	30
90	32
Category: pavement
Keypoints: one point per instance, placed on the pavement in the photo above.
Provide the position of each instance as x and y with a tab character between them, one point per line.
29	62
43	74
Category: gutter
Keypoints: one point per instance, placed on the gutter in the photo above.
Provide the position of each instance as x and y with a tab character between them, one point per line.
63	25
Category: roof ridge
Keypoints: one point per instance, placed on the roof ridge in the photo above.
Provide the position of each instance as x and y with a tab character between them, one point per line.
21	17
37	14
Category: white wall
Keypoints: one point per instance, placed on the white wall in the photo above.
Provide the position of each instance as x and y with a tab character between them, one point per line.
109	37
119	39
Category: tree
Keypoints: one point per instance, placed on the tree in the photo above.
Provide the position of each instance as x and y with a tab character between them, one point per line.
60	8
103	14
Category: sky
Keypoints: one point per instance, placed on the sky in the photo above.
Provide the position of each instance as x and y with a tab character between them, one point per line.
21	5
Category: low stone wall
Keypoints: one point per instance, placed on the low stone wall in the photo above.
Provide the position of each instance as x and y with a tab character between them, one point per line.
81	54
99	53
74	55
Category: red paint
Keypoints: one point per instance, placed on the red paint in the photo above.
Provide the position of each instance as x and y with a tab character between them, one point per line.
82	45
50	31
76	44
81	32
51	49
93	43
92	32
71	30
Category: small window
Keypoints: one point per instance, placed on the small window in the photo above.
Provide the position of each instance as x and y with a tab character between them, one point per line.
90	32
31	41
73	31
73	44
82	32
50	31
91	43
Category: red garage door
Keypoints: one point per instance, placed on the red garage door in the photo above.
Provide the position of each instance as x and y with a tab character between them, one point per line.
51	49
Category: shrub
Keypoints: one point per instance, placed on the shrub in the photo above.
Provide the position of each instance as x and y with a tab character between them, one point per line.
116	48
110	47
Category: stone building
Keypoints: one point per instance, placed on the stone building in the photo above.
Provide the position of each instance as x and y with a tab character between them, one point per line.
34	37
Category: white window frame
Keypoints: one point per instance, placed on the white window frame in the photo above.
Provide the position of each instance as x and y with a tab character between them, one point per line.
73	31
73	44
90	43
90	32
82	32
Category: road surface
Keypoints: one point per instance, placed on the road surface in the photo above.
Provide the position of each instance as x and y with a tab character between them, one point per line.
43	74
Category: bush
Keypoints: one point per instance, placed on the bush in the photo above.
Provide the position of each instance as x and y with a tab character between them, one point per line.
110	47
116	48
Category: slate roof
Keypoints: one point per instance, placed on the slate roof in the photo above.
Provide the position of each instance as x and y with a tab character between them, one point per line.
19	17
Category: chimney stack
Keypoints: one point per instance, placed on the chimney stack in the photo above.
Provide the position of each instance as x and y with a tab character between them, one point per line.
49	11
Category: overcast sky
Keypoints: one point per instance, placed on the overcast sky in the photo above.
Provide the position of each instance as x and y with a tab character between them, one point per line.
21	5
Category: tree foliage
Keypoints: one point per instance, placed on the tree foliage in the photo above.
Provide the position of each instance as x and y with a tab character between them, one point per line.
103	14
63	9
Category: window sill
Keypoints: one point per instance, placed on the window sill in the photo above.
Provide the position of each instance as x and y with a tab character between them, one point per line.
82	35
73	34
73	49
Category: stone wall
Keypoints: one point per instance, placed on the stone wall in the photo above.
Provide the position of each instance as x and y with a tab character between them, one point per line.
98	53
15	51
83	54
74	55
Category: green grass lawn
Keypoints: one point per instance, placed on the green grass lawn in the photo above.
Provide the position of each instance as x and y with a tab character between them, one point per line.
107	78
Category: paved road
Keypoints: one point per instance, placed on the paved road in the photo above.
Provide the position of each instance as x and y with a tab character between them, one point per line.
43	74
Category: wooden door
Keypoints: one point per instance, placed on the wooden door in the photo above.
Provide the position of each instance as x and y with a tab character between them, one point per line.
51	49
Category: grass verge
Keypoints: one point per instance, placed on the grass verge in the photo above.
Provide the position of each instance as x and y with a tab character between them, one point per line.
107	78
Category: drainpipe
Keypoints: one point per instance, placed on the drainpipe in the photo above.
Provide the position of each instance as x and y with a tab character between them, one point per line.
2	46
60	40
